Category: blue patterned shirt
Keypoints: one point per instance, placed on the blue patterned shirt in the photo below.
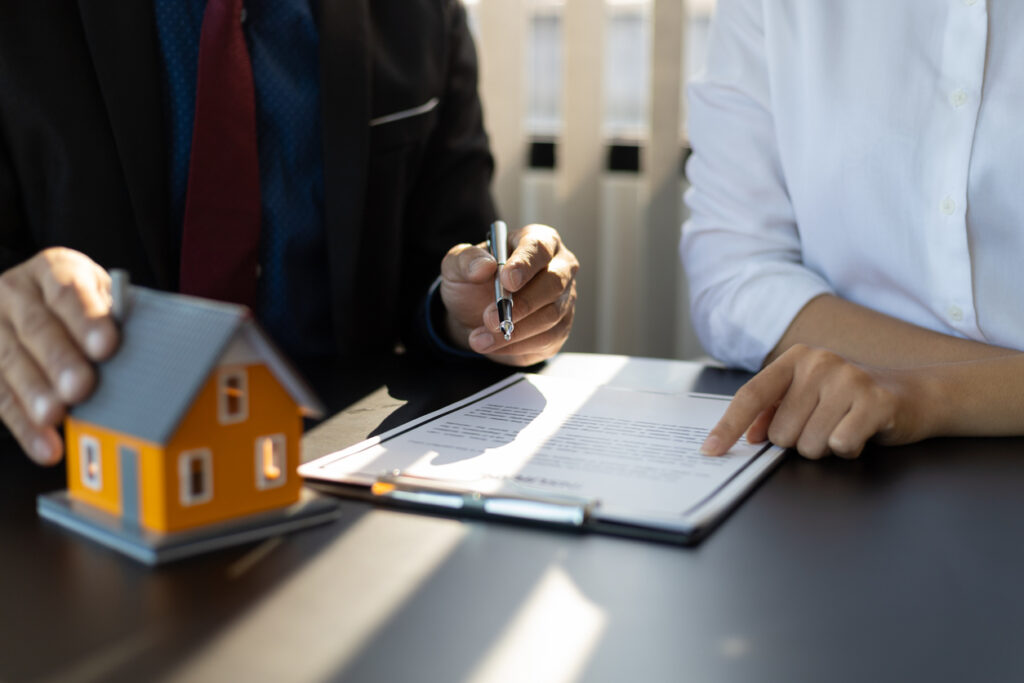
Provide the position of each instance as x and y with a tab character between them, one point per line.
293	297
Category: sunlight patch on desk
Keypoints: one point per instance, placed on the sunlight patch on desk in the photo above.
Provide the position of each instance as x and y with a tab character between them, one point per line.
550	639
345	595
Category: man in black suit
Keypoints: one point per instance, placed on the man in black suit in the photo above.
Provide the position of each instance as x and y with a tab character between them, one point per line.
373	163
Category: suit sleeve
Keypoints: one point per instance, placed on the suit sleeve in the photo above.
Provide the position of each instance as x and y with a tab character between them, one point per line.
741	247
14	247
451	201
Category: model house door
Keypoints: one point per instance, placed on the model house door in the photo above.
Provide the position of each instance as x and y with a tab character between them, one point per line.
129	460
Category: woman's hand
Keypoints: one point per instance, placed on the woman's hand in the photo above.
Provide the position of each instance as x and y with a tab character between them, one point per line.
820	403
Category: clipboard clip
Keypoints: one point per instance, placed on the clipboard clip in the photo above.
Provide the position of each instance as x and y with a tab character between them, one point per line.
438	493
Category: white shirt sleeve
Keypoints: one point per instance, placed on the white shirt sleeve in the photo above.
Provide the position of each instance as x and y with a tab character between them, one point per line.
741	246
872	150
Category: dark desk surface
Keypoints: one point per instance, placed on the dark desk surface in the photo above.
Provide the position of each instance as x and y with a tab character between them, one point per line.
905	565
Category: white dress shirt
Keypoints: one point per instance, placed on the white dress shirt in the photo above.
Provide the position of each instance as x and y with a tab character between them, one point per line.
873	149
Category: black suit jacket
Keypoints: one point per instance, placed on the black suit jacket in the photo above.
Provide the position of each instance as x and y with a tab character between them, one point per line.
83	155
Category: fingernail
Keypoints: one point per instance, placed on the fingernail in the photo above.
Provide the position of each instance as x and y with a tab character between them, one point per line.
41	406
712	446
481	341
41	450
69	384
96	344
478	264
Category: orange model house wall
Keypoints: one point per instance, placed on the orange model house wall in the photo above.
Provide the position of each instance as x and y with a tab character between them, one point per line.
107	495
245	466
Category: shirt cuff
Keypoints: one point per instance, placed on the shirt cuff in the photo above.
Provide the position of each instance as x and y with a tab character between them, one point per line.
745	325
434	316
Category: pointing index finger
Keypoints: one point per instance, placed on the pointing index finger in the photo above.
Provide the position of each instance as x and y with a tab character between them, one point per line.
534	247
762	392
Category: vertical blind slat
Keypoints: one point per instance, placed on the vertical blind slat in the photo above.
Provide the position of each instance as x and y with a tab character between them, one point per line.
581	155
502	85
662	179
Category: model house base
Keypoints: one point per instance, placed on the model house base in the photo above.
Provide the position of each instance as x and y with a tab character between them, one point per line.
192	437
150	547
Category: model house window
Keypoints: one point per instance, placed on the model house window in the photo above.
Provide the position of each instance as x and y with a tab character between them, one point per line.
91	465
195	476
271	464
232	396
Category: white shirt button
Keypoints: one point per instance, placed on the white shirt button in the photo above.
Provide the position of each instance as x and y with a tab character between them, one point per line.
958	97
947	206
955	313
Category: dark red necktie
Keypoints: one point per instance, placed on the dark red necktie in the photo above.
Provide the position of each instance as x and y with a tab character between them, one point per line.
220	239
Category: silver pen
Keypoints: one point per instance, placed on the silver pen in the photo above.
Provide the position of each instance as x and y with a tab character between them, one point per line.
498	243
541	507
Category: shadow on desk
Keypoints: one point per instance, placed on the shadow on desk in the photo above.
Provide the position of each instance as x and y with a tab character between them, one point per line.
832	570
76	611
73	610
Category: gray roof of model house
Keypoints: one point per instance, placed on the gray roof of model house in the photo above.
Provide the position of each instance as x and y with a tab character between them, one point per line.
170	343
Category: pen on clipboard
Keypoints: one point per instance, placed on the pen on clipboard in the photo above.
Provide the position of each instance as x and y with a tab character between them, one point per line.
497	240
548	508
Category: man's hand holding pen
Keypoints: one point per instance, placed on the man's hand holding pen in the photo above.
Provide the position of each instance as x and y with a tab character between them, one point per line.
540	274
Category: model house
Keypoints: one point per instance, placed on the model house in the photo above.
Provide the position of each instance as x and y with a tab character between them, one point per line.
195	420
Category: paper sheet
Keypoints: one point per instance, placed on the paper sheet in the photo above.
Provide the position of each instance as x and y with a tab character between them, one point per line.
636	452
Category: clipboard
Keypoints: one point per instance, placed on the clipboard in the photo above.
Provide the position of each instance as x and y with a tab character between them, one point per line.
390	468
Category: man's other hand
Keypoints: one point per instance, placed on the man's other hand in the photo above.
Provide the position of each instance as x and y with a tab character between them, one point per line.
541	276
54	324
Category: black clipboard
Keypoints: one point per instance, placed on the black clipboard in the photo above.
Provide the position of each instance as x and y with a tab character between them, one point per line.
522	505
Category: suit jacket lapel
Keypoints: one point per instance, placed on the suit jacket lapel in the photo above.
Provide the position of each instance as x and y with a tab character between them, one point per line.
122	42
345	89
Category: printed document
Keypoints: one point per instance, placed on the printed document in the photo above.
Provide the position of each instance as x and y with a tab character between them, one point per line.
635	453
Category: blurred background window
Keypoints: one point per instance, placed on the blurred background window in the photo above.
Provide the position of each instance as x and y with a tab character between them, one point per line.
584	101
